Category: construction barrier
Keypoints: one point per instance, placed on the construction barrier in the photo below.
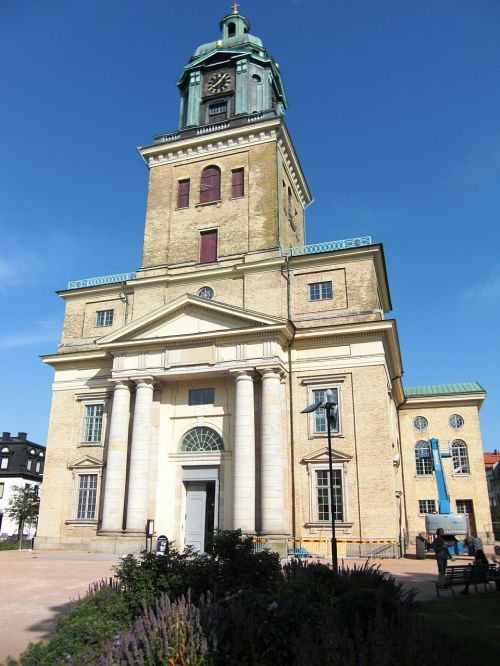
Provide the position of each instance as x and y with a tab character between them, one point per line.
346	548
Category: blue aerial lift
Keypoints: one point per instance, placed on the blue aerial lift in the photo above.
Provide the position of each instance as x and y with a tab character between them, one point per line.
453	524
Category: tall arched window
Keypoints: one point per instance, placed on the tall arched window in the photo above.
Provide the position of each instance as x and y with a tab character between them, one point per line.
423	458
460	457
210	184
201	439
231	29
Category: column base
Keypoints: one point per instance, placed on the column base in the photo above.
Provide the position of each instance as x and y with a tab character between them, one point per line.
118	543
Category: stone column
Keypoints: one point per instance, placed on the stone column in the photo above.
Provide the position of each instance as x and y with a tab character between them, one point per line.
272	494
138	486
116	464
244	455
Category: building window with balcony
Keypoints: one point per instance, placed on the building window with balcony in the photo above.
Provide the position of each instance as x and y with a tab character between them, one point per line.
320	291
104	318
92	425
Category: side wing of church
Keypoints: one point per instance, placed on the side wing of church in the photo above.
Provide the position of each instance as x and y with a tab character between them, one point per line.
178	389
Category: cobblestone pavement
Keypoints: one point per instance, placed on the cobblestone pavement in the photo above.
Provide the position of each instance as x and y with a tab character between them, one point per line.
37	584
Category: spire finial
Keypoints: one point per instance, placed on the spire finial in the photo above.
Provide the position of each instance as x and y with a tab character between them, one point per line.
235	8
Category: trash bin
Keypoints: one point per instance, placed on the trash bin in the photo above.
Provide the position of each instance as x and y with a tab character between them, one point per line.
421	547
162	545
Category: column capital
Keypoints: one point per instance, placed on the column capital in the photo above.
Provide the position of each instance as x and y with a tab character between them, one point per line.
243	373
123	383
146	381
270	371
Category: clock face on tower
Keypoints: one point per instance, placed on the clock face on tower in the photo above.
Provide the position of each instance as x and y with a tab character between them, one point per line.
220	82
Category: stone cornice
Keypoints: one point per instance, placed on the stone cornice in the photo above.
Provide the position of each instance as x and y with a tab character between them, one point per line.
75	357
228	138
474	399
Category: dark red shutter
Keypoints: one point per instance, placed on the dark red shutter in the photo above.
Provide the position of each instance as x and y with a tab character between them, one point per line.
238	183
183	194
208	246
210	185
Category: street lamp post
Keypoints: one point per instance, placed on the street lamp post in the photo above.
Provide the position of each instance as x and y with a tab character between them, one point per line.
331	409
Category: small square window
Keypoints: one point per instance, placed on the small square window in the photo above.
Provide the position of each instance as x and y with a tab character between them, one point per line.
202	396
104	318
427	506
320	291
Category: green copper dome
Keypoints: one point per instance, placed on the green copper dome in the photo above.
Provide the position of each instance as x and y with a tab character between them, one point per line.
231	77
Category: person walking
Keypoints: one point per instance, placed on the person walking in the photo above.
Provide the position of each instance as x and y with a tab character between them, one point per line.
441	550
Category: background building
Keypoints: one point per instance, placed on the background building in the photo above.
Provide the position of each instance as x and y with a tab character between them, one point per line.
21	465
178	388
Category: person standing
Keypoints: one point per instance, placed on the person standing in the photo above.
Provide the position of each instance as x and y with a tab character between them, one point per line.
441	550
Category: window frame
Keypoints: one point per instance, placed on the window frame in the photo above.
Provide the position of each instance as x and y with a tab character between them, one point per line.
314	416
340	469
79	490
193	391
237	188
2	489
86	465
218	438
414	419
183	196
210	191
465	503
107	318
458	458
425	462
213	258
84	437
430	502
319	291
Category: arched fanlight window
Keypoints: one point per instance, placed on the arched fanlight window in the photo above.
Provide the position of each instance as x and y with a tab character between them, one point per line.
5	449
460	457
423	458
201	439
210	184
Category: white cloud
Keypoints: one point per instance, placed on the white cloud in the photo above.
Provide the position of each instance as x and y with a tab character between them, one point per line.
486	290
42	331
17	267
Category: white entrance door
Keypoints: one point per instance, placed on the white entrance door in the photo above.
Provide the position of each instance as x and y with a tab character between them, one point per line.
196	502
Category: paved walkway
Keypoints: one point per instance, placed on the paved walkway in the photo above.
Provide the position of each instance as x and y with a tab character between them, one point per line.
38	584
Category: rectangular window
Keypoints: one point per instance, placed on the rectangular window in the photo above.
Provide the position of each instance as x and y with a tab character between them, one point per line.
464	506
237	183
202	396
29	464
183	193
104	318
208	246
93	423
427	506
37	467
319	416
322	480
320	291
4	463
2	486
217	112
87	494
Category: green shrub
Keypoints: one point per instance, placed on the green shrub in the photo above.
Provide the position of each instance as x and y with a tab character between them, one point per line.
14	545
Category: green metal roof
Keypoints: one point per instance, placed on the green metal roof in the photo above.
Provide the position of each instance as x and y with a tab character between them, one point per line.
443	389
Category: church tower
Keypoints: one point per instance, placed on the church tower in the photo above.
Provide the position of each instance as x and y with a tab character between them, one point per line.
228	183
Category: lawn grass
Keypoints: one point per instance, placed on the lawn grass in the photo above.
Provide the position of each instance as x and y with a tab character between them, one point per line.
474	620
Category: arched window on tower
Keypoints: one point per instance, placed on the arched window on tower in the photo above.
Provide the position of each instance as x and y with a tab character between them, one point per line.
231	29
201	439
460	457
423	458
210	184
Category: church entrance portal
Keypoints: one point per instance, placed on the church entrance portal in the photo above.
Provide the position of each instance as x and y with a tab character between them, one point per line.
202	505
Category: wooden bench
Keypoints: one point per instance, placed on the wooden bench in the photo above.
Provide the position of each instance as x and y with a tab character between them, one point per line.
467	576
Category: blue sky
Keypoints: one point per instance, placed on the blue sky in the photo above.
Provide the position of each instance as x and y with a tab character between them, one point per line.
394	109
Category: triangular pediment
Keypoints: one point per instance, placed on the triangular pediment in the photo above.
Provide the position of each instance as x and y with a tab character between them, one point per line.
321	456
84	462
190	316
